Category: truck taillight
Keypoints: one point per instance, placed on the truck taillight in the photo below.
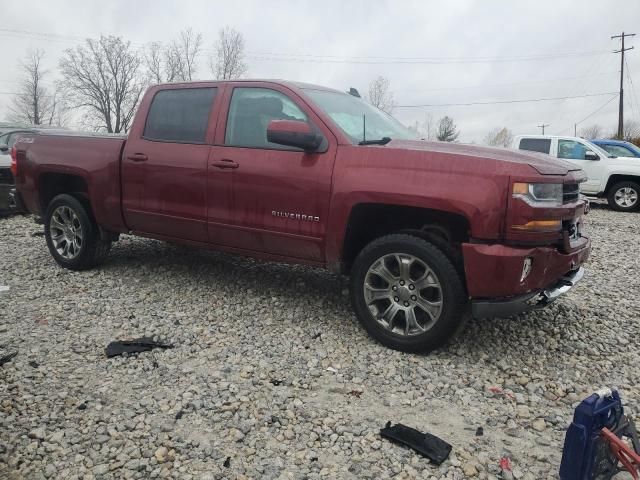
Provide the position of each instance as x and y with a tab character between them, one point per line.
14	162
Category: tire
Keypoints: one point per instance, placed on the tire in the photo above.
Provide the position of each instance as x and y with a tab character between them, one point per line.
442	293
72	234
624	196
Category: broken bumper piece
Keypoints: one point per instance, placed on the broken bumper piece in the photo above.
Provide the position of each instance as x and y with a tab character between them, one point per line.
529	301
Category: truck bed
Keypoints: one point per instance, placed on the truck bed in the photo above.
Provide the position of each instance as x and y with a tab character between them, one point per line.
94	157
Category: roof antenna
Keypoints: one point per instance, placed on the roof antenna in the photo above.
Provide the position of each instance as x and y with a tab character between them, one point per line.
354	92
364	127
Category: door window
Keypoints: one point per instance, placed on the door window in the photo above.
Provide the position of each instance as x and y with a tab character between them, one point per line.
542	145
571	149
250	112
180	115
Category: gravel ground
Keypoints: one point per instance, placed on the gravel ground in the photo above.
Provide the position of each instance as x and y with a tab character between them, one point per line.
271	376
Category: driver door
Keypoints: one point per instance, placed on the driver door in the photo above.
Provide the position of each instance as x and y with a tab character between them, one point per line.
262	196
574	152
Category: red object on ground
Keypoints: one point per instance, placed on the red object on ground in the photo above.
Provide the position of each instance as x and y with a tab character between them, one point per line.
505	464
629	459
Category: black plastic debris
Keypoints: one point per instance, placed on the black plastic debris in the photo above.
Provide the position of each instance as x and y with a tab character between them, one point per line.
479	432
430	446
137	345
7	358
227	462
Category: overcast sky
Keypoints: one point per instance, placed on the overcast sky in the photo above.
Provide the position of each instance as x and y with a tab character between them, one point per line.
433	52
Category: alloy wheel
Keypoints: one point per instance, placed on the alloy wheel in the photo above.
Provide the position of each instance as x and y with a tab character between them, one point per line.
403	294
626	197
66	232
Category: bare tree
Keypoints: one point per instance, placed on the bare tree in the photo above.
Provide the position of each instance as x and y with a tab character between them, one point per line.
380	96
630	130
594	131
447	130
228	61
35	104
103	78
499	137
174	62
424	129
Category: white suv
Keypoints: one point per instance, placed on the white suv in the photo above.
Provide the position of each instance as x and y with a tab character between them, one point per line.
615	178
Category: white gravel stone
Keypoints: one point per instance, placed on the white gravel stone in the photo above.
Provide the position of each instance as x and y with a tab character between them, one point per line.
272	377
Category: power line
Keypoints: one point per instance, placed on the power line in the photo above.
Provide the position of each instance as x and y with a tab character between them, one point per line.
634	93
315	58
575	125
400	61
496	102
498	85
598	109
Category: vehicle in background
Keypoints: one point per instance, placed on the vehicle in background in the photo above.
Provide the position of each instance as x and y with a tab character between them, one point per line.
7	126
619	148
305	174
609	176
8	200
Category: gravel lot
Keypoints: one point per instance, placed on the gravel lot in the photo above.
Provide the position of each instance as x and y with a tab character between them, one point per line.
272	377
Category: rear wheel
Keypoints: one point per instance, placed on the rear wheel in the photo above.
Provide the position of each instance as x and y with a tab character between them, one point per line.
72	235
407	293
624	196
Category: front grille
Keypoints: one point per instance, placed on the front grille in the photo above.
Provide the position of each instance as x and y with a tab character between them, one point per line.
5	176
570	192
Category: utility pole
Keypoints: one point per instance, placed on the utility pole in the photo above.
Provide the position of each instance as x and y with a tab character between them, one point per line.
621	95
542	127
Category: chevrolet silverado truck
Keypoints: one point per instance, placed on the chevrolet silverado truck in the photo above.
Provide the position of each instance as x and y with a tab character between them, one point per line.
428	231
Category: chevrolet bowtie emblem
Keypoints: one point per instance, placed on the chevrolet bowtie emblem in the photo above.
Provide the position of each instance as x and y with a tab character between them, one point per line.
295	216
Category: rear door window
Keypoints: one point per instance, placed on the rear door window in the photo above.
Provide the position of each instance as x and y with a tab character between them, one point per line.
180	115
542	145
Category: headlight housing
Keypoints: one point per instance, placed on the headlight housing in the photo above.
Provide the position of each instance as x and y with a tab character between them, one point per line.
539	194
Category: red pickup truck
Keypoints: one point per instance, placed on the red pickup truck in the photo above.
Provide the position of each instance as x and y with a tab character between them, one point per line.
305	174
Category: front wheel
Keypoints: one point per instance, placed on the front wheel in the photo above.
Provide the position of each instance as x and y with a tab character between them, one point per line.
407	293
72	235
624	196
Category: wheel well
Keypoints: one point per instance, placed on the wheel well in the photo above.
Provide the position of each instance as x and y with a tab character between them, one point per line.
370	221
613	179
52	184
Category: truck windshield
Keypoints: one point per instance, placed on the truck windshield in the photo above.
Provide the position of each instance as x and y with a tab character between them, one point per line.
359	120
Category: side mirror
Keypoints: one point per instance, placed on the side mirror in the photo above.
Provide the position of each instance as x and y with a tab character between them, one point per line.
590	155
294	133
4	148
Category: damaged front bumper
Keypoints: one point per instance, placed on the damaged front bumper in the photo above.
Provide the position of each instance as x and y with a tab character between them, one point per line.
529	301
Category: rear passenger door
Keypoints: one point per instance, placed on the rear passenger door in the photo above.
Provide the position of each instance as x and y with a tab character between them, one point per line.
164	163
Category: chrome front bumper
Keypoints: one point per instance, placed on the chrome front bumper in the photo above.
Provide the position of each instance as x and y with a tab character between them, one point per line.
529	301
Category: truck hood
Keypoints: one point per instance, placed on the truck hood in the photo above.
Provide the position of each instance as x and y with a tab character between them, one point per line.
542	163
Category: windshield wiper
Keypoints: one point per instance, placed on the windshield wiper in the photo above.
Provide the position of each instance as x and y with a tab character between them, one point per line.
380	141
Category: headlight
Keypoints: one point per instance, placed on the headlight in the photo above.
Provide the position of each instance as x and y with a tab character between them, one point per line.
539	194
